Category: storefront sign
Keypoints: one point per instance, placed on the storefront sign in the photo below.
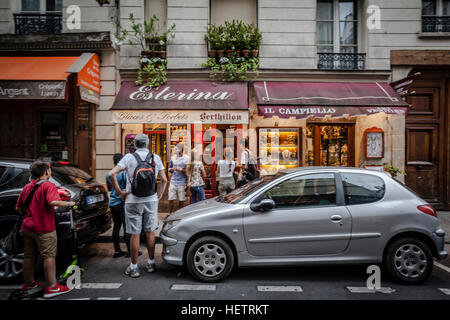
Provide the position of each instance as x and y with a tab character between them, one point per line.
299	112
32	89
89	75
180	116
183	95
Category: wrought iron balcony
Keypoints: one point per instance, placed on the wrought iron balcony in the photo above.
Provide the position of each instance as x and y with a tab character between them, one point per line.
341	61
37	23
435	24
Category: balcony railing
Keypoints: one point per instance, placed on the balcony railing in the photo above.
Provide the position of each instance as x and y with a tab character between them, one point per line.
435	24
341	61
37	23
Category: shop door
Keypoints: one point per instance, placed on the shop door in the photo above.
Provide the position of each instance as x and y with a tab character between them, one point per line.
425	140
330	145
54	138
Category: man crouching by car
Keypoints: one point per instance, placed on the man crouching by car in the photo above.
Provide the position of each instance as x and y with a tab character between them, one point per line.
36	202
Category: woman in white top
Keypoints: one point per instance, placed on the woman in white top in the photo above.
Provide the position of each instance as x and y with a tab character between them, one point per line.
225	169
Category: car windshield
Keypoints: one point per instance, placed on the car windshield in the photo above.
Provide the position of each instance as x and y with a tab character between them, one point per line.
240	193
67	174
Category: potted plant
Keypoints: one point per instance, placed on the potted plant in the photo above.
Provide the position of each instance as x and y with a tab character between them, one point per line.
152	60
255	41
210	39
393	170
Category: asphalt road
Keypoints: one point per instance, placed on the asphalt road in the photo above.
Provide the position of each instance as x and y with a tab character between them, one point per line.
104	280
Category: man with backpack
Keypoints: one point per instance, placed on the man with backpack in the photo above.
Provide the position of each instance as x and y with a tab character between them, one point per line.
141	198
36	202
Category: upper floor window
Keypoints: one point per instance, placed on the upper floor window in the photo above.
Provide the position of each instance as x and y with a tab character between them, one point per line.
436	16
41	6
337	35
39	17
158	8
244	10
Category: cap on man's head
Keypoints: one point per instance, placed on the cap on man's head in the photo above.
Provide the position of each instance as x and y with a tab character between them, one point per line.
141	138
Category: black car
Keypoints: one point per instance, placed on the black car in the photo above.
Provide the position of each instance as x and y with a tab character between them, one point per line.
92	218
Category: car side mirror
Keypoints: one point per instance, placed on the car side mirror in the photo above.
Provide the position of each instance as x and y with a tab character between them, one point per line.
263	205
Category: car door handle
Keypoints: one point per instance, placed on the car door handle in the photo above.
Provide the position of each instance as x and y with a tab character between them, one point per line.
336	218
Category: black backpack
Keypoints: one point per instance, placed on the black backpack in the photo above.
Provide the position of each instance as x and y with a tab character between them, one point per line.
144	177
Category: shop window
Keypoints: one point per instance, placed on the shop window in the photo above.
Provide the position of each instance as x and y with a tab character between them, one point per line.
158	8
304	191
436	16
278	149
362	188
330	145
337	35
227	10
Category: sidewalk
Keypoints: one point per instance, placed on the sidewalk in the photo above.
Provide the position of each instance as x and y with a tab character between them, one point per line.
444	220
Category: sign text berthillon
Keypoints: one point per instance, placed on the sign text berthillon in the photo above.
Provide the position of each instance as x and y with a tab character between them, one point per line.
150	93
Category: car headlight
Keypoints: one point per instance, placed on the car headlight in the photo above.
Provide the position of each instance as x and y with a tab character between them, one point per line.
169	225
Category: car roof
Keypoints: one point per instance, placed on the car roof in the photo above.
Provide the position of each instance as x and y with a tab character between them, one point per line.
18	162
322	168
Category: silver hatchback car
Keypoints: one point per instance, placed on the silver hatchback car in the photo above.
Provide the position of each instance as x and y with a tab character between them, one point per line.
308	216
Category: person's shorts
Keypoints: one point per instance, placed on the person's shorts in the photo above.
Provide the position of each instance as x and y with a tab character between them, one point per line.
140	216
177	192
44	244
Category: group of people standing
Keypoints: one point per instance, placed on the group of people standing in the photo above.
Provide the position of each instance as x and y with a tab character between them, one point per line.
187	181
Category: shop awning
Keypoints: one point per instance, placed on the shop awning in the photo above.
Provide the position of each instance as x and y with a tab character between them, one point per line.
45	77
320	99
182	95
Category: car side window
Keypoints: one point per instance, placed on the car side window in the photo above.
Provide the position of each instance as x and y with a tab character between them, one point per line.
20	178
7	174
362	188
304	191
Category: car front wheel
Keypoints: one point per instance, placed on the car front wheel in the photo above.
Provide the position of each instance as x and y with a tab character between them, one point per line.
209	259
11	252
409	261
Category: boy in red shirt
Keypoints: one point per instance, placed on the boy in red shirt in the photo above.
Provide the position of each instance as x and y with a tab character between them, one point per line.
38	228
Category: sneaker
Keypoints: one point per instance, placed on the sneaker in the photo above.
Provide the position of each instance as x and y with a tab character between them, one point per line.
56	291
118	254
35	284
134	273
150	267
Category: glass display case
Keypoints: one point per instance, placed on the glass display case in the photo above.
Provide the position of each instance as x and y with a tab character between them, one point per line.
279	149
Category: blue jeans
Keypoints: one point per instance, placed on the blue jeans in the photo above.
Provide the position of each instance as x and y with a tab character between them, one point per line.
197	191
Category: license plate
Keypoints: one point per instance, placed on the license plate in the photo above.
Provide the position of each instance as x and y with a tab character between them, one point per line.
94	199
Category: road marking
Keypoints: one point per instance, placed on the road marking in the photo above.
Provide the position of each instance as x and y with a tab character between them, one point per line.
80	299
196	287
445	291
279	288
367	290
445	268
101	285
108	298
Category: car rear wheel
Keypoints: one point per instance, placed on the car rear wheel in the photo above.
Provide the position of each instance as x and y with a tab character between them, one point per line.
11	252
209	259
409	260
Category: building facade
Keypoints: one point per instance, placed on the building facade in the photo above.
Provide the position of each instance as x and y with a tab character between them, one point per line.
340	42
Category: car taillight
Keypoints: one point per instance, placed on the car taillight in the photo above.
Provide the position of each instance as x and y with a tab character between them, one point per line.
64	194
428	209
